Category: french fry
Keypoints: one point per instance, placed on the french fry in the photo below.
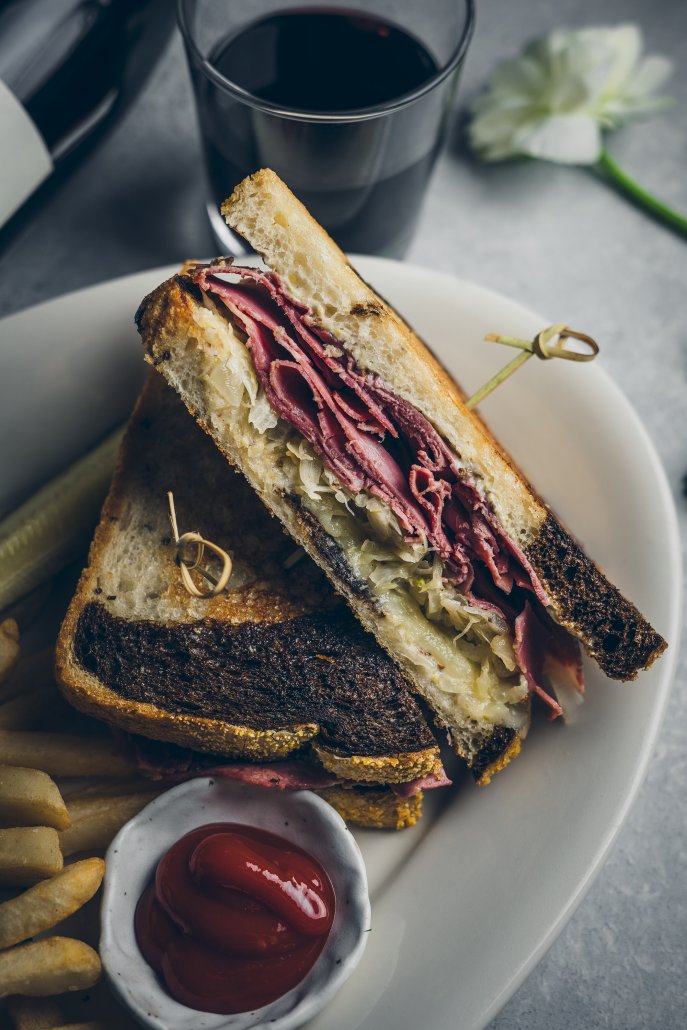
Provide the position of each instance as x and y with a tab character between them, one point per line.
92	1025
27	609
41	907
100	788
58	716
95	821
33	700
9	646
37	667
28	797
31	671
53	965
29	854
62	754
23	712
34	1013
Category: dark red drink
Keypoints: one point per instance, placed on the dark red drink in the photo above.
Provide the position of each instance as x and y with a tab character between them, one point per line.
340	104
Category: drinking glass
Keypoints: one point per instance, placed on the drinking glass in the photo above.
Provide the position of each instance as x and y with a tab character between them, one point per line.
297	94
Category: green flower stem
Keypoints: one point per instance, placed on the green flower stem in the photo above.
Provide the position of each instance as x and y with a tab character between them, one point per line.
619	177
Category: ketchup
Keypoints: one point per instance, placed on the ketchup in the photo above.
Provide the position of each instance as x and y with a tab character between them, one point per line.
235	918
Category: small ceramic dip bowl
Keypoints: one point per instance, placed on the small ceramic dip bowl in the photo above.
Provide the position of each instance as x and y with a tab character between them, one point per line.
298	816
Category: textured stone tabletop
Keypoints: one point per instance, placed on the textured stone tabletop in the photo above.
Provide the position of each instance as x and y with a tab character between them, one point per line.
562	242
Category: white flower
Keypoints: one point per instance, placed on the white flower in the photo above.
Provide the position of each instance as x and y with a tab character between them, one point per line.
555	99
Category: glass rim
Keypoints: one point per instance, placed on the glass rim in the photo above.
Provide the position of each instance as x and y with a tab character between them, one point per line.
355	115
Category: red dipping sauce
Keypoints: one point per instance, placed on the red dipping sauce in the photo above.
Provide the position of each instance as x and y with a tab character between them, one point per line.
235	918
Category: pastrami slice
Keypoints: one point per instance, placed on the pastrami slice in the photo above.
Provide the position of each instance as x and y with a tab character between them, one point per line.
158	760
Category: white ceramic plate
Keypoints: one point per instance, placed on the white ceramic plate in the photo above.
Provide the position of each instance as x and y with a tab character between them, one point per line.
464	905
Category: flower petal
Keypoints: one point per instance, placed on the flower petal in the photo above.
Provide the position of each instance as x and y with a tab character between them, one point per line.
622	45
565	139
488	102
492	134
553	101
651	74
523	76
568	90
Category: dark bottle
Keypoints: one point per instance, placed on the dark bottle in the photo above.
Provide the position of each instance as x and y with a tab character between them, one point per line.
362	178
67	69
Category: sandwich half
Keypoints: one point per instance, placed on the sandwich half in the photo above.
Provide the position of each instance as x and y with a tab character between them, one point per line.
273	681
357	439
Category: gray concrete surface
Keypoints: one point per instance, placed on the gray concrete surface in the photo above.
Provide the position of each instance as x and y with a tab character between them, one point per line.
560	241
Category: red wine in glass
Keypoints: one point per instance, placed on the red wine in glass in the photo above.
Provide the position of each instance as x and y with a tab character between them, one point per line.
341	136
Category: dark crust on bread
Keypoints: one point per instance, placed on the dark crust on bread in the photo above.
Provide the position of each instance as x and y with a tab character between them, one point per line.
375	808
495	745
317	668
162	300
158	312
614	632
332	555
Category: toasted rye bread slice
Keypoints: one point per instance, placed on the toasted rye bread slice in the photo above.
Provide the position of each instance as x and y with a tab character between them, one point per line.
272	664
265	212
188	340
376	808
